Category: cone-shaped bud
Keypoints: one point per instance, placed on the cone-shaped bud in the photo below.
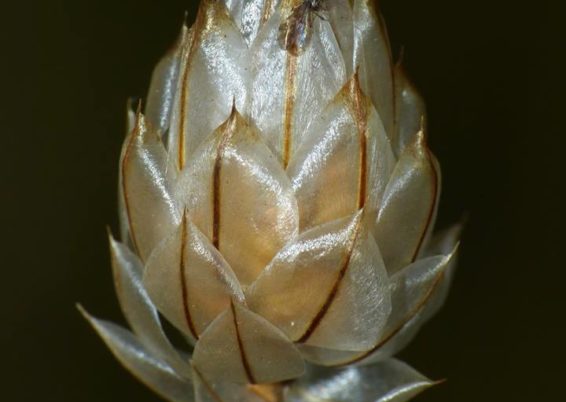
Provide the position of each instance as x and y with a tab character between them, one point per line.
277	205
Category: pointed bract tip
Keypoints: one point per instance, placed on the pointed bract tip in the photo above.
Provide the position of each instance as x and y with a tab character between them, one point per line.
183	32
111	240
454	251
111	237
83	312
357	73
354	84
234	108
234	120
235	116
186	23
358	102
438	382
140	126
420	138
139	107
132	104
427	384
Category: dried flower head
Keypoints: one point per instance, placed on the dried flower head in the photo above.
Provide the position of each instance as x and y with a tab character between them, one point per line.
278	200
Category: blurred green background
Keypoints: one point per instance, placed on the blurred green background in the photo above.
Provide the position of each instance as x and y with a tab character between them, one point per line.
492	73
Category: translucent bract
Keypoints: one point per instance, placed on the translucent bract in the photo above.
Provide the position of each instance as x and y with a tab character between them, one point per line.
277	202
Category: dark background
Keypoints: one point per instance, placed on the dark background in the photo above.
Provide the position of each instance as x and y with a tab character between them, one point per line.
492	75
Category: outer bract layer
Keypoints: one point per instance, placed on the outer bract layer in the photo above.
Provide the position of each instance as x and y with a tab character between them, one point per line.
278	200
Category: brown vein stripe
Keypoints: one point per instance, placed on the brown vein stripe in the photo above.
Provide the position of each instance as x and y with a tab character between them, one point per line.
125	161
183	99
183	279
208	387
404	323
432	206
333	292
228	129
216	176
360	113
290	92
242	350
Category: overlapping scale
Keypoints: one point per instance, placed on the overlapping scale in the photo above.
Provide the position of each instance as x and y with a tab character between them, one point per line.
413	290
138	308
243	347
189	280
290	89
345	163
443	242
328	288
155	373
146	180
212	77
410	110
372	55
163	87
237	193
409	205
388	381
122	213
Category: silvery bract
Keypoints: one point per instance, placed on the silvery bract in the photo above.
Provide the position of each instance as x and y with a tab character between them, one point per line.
277	203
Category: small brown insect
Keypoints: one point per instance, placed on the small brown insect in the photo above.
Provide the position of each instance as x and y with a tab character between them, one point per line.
296	31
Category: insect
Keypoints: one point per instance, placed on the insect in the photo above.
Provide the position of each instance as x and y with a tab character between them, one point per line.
295	32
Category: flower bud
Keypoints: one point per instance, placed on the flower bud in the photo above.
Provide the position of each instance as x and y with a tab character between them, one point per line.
278	200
